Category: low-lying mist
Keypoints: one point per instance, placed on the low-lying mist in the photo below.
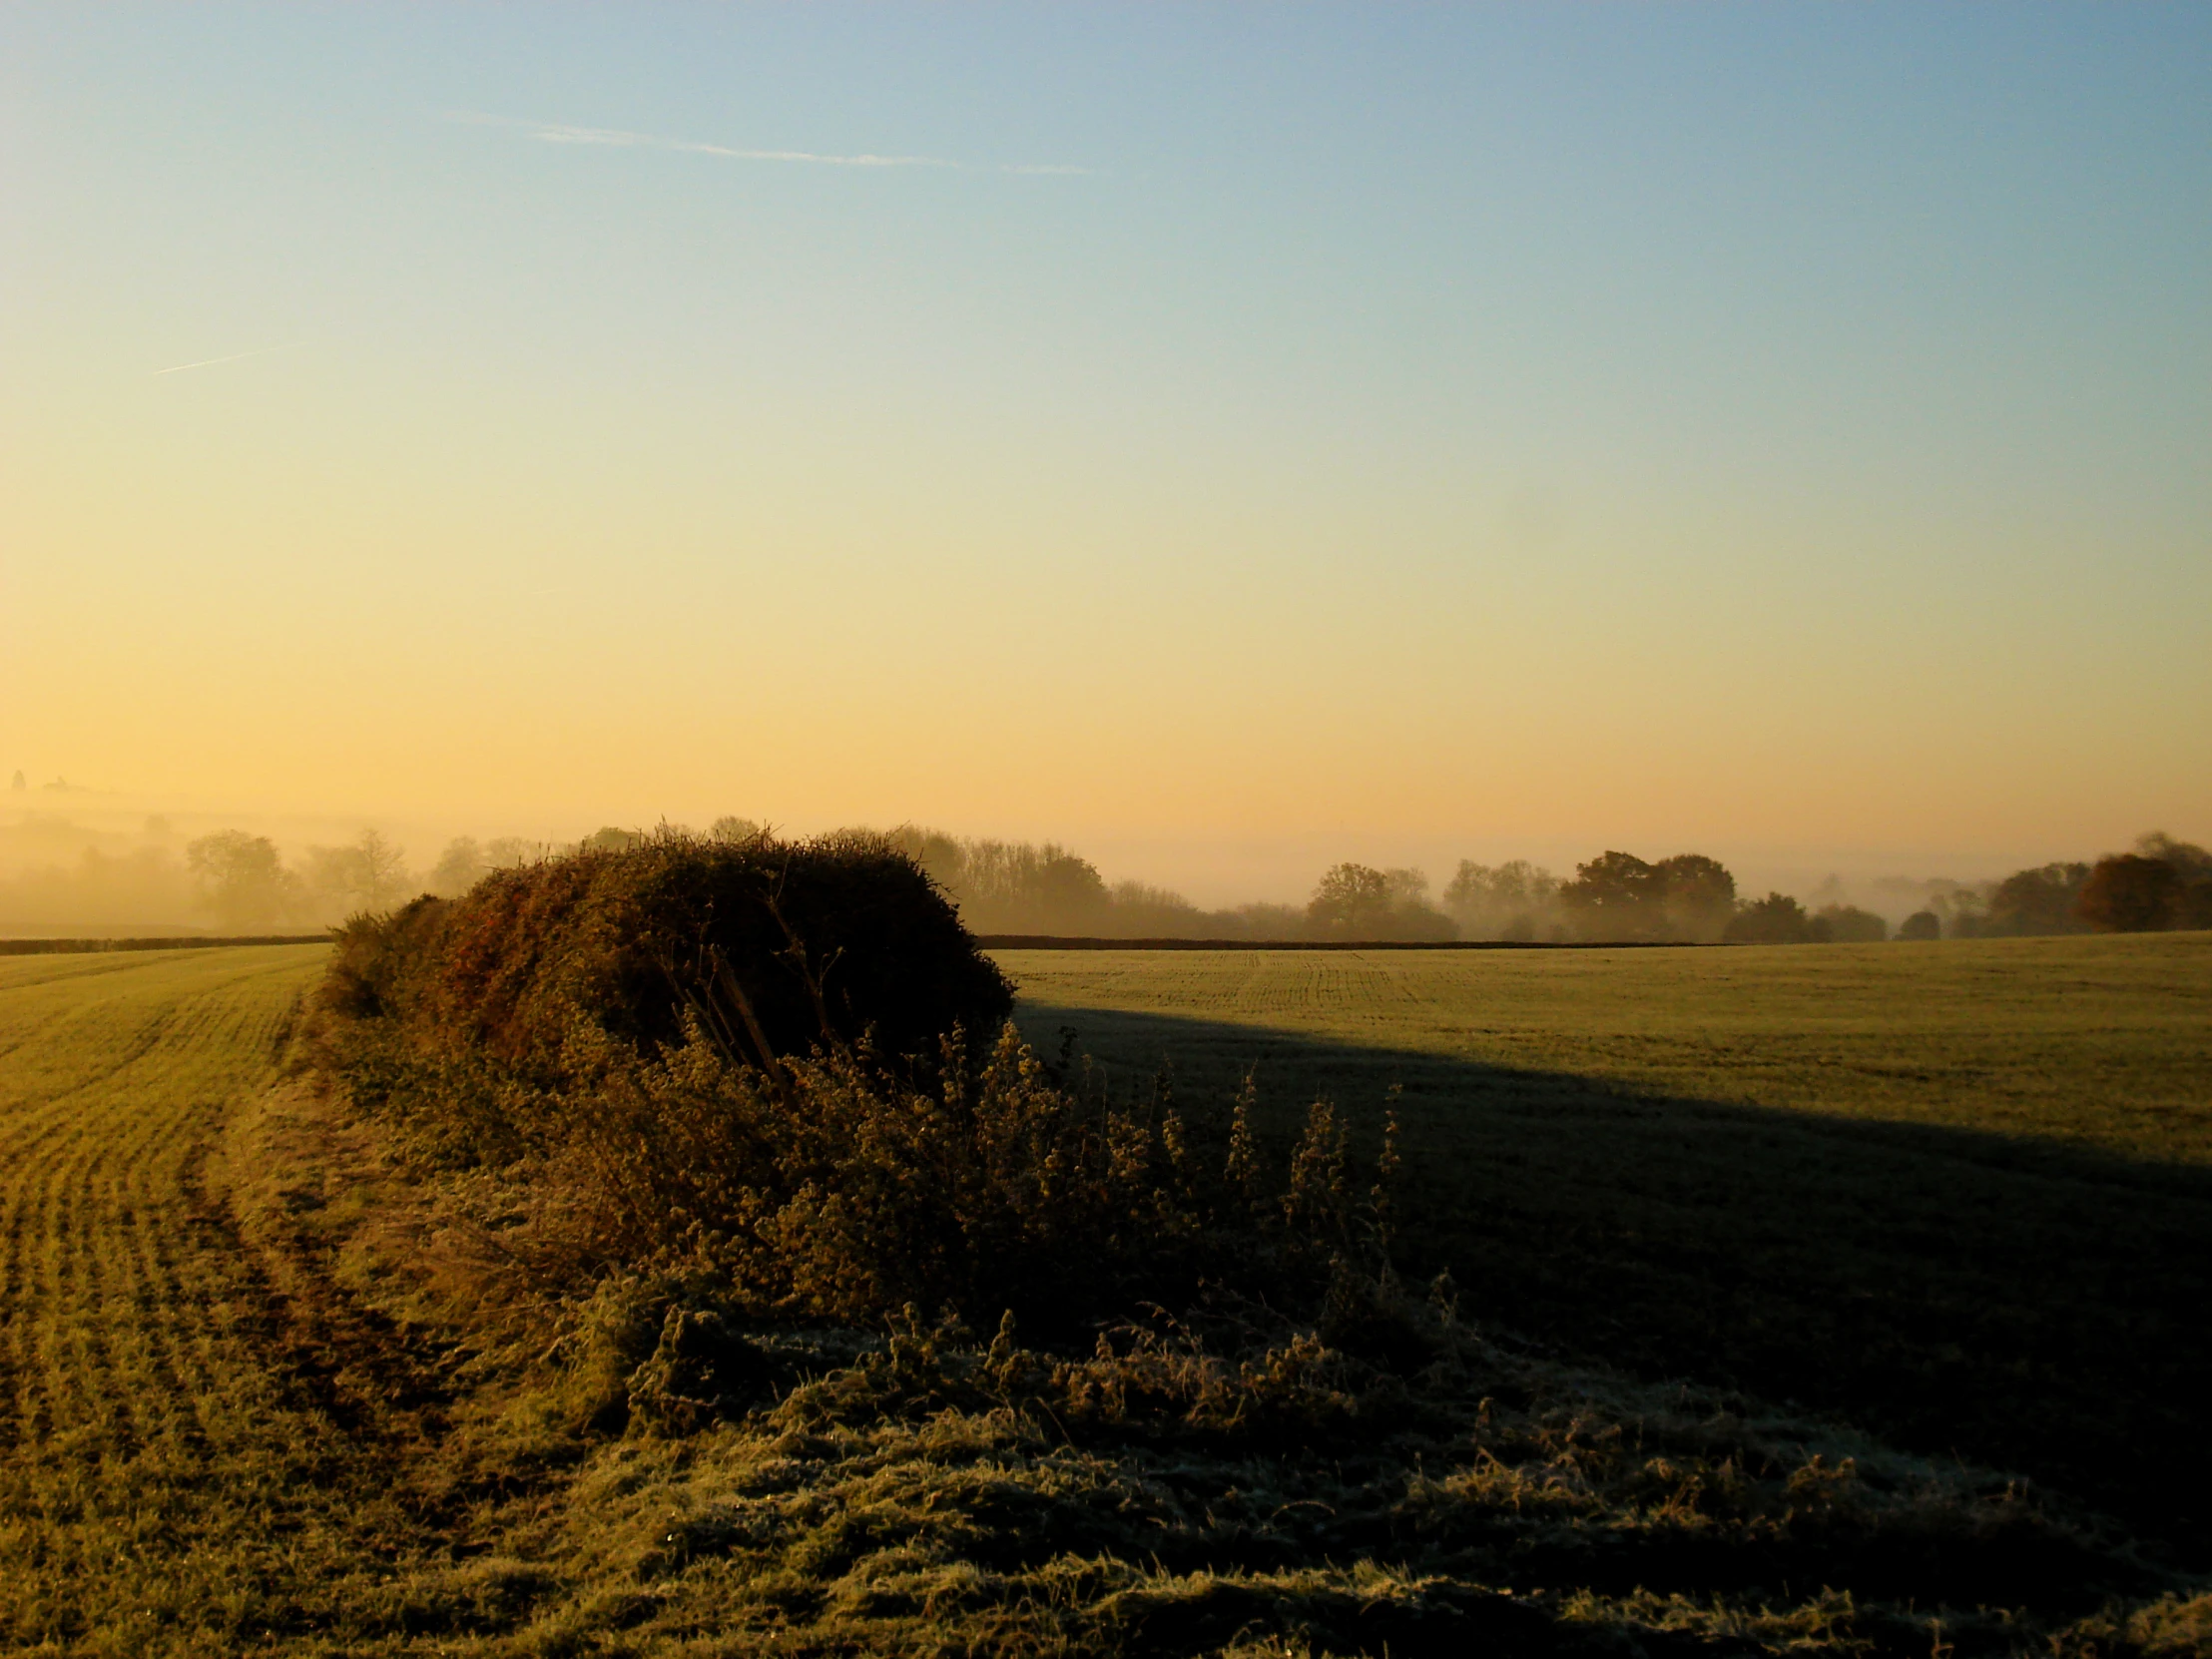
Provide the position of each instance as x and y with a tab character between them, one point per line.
93	873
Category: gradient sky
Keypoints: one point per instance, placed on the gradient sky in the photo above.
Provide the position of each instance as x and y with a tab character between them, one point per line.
1782	430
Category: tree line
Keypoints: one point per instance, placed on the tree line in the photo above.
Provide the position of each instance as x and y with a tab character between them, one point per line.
1615	897
244	883
2162	885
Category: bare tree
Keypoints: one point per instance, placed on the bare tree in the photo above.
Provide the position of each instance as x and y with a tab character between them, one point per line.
370	872
459	867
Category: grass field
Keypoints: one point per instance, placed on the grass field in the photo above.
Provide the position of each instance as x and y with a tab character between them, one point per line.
1959	1192
1955	1194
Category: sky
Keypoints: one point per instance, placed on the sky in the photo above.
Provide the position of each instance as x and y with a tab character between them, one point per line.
1221	437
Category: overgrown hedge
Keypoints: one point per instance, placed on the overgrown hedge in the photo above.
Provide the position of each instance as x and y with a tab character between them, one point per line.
759	1059
775	948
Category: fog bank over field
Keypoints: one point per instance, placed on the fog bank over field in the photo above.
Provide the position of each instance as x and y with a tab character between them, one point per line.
78	860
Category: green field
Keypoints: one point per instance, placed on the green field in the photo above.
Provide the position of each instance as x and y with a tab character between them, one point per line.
1956	1195
1961	1193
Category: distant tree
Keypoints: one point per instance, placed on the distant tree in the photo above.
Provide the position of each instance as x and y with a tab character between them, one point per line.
940	855
610	840
506	851
2191	862
2192	905
1848	924
2040	900
734	832
1964	911
1613	896
1351	900
1775	919
1016	887
1616	896
240	877
459	867
21	783
1696	894
2129	893
1139	910
1922	924
1358	902
1069	889
1507	901
366	873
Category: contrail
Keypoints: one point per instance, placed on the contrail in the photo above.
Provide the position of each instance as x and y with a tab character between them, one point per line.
551	132
210	362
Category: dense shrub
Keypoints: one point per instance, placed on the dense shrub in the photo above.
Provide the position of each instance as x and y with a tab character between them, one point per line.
715	1055
469	1013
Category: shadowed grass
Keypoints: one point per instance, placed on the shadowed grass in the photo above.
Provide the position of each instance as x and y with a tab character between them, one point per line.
1958	1193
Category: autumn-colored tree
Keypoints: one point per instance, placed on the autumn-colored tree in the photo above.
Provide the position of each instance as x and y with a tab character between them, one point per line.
2129	893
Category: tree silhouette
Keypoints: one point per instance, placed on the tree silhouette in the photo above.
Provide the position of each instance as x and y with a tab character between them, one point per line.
2040	900
1350	901
1775	919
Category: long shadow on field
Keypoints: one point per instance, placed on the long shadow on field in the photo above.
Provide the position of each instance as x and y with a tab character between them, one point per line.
2021	1304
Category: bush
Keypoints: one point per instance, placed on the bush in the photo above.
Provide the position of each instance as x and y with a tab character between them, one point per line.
712	1054
1922	924
469	1013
